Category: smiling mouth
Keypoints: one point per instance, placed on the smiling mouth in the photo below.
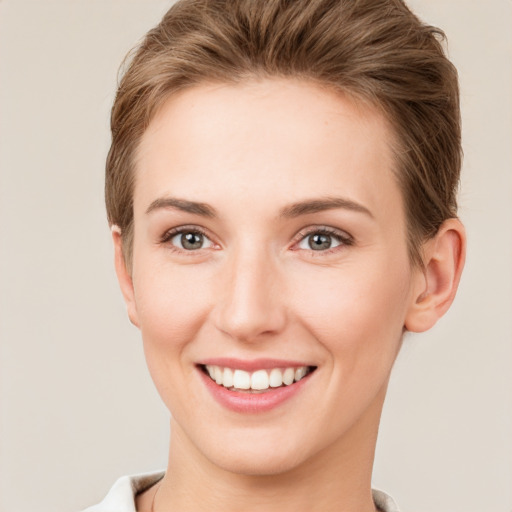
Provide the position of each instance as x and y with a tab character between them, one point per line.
258	381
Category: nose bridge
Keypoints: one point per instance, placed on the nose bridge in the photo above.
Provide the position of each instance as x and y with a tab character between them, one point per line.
250	301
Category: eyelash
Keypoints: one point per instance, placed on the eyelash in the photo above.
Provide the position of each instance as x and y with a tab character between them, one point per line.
343	238
182	230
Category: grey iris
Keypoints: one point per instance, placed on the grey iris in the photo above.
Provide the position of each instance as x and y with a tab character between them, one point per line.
192	241
319	242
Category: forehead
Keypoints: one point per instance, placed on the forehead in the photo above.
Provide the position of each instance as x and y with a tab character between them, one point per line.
262	139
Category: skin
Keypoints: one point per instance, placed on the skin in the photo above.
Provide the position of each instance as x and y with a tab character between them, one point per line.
256	289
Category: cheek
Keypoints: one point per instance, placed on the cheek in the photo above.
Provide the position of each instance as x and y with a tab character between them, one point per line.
357	311
172	306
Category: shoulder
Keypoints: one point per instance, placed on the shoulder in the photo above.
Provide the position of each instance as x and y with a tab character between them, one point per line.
384	502
121	497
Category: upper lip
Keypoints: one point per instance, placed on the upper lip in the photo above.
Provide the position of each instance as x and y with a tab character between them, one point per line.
251	365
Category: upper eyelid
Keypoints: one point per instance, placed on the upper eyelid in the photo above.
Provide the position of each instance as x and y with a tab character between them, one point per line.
170	233
323	229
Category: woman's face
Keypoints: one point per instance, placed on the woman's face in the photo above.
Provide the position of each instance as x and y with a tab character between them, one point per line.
269	242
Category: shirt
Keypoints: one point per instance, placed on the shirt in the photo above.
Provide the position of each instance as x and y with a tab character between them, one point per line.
121	497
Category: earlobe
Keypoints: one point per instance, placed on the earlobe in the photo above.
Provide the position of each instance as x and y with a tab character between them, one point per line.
123	276
435	288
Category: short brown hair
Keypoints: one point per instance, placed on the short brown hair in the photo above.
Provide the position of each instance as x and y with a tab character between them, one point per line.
375	50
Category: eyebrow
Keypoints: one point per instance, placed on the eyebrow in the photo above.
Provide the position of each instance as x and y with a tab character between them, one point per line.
319	205
203	209
305	207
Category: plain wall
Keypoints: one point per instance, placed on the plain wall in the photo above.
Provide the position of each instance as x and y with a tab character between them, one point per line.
78	408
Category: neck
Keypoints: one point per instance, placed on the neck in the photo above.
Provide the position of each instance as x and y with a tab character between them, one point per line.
336	478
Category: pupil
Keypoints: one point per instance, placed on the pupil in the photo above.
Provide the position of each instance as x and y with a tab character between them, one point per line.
192	240
319	242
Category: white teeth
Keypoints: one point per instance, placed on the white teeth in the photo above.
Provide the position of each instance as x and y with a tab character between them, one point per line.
299	373
288	376
241	379
276	378
218	374
227	378
258	380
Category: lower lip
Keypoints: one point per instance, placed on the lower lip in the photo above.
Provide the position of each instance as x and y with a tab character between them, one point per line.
252	402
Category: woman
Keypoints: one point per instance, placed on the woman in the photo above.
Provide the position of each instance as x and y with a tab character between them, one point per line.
281	189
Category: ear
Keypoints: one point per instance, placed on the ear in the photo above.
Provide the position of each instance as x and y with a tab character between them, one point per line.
123	276
436	286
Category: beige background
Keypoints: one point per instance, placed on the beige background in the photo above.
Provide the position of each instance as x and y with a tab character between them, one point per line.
77	406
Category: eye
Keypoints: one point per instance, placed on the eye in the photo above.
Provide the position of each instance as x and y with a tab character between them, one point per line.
323	240
188	240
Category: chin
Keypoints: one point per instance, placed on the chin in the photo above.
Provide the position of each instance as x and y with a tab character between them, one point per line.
264	463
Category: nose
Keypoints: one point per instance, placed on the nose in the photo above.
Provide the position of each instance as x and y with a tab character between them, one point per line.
251	301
